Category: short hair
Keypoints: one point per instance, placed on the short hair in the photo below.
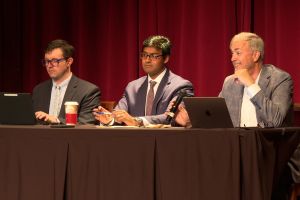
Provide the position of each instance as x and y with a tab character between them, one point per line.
255	42
67	49
159	42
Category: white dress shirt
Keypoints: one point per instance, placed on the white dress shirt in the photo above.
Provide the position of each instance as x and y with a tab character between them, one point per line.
57	96
248	111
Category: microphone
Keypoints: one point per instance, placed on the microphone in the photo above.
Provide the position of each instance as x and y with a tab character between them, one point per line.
174	108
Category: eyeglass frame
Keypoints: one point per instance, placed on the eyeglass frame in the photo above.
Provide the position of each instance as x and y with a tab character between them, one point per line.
144	56
53	62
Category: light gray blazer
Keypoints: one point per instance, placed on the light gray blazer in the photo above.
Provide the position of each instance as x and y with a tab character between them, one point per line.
134	97
273	103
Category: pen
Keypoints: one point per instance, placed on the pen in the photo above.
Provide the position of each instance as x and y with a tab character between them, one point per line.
103	113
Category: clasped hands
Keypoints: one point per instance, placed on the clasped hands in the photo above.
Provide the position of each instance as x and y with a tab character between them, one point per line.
119	116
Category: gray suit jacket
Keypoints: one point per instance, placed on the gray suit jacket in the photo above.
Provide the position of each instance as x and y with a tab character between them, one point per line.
85	93
134	98
273	103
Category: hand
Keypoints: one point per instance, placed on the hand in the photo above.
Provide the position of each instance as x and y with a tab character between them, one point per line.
182	117
122	116
244	77
40	115
102	115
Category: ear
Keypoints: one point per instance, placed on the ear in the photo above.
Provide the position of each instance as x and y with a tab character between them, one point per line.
166	59
70	61
256	56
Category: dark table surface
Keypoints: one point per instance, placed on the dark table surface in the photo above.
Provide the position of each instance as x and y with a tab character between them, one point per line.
39	162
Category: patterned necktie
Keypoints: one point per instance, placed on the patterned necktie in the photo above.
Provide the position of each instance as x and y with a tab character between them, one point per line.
150	98
57	101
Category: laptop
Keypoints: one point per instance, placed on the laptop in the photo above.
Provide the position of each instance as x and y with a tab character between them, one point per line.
208	112
16	109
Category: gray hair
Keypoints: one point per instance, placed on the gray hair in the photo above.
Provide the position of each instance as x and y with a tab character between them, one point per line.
255	42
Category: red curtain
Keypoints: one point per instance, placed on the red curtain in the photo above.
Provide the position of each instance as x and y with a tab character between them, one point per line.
278	23
108	35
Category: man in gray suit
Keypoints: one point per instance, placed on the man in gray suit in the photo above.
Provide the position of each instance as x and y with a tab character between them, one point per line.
49	97
257	94
260	95
136	106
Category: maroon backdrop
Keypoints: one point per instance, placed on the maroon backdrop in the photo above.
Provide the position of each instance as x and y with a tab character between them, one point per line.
108	35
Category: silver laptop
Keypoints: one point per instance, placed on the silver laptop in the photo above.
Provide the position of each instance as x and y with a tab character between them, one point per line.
16	108
208	112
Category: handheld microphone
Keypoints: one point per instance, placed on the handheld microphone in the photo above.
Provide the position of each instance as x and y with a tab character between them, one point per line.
174	108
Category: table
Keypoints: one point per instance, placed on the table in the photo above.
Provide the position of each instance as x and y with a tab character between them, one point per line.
297	114
39	162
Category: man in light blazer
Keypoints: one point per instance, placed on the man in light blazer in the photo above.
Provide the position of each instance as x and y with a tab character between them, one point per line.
273	102
132	109
49	96
257	95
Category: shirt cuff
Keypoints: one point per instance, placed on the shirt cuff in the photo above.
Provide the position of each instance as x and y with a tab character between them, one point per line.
108	124
111	122
252	90
145	121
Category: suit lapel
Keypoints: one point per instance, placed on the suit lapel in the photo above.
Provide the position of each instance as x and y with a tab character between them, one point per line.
264	79
69	94
47	96
141	98
163	86
236	104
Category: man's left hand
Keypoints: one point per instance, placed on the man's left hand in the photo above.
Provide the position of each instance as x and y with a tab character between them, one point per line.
123	116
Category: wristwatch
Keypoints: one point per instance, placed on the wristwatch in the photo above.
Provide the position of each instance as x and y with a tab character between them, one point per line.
139	121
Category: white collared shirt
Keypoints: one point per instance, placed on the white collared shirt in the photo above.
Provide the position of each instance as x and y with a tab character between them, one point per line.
157	80
248	111
58	96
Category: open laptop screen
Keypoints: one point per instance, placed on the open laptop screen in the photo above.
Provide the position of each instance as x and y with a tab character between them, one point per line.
16	108
208	112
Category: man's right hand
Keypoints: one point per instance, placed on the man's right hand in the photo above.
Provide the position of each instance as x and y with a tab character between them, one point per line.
40	115
244	77
102	115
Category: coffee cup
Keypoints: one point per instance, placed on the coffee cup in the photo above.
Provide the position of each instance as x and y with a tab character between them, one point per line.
71	109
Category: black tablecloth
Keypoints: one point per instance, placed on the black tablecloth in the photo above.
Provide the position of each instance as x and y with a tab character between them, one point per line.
39	162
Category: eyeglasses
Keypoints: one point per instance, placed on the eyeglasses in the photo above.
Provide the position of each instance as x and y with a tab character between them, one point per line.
53	62
150	56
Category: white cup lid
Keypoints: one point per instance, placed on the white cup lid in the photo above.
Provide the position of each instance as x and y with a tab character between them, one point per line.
71	103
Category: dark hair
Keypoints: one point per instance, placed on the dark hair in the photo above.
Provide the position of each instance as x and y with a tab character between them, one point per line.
159	42
67	49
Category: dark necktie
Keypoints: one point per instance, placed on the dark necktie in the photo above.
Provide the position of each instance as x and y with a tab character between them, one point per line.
150	98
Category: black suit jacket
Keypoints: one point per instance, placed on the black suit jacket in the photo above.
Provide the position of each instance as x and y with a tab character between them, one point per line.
85	93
